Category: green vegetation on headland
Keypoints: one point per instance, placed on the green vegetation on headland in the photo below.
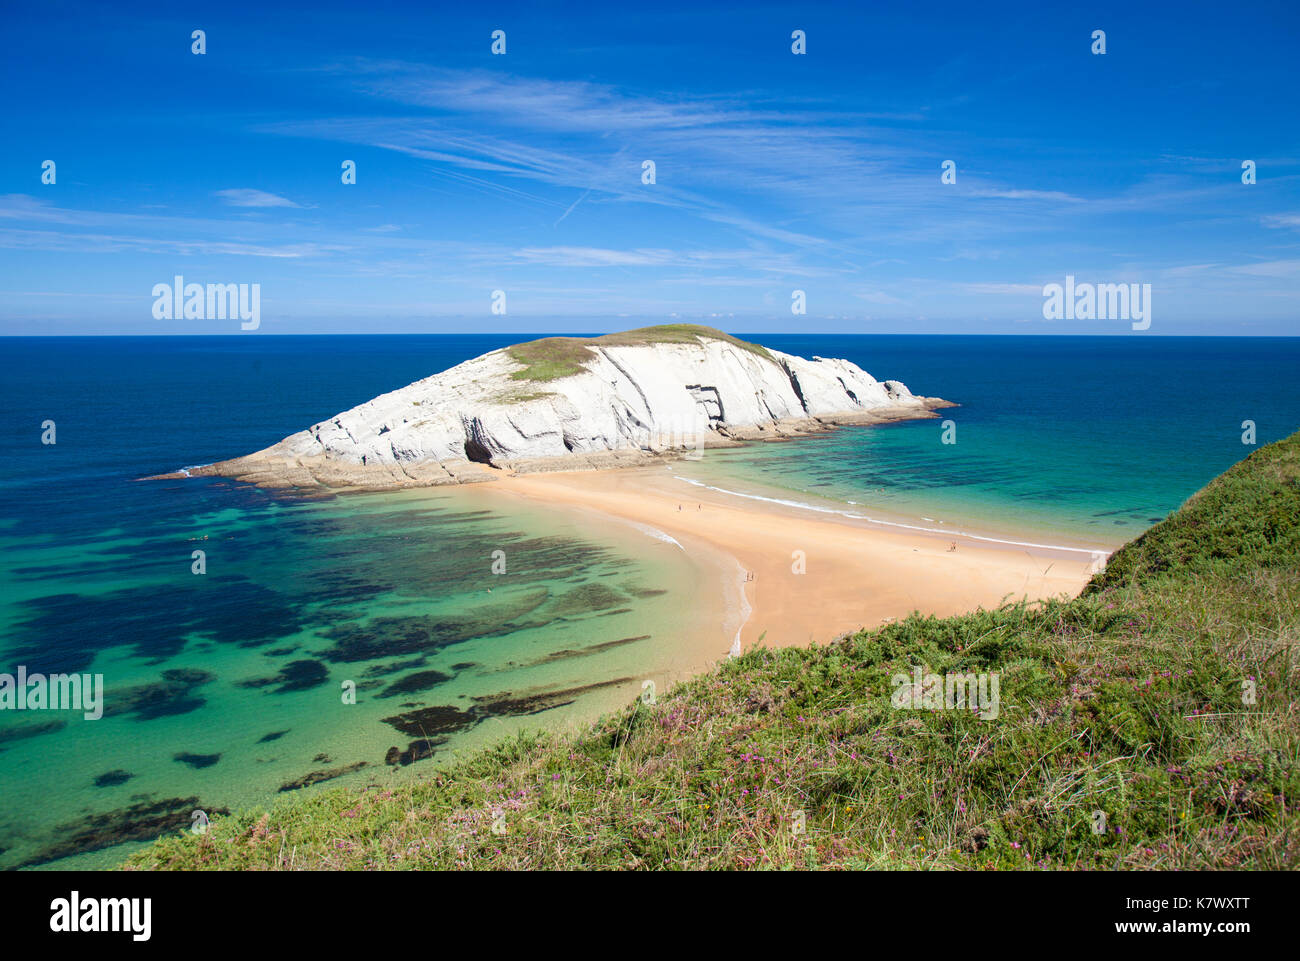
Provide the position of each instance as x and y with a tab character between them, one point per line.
554	357
1163	697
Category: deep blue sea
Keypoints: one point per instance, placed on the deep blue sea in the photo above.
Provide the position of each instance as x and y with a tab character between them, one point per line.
223	689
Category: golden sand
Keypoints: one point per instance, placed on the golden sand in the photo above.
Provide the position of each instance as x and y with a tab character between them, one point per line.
805	576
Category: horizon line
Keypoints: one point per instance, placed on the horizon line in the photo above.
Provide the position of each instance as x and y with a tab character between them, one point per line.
534	334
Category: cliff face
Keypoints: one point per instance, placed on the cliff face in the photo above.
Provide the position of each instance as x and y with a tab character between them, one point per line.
624	404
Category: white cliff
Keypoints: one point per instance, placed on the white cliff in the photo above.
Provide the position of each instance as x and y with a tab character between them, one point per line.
625	402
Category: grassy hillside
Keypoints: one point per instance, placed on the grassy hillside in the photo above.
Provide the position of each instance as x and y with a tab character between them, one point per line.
554	357
1127	700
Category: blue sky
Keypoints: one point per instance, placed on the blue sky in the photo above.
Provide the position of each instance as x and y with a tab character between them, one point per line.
774	172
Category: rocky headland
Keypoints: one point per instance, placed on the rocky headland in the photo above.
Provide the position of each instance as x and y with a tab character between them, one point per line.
568	403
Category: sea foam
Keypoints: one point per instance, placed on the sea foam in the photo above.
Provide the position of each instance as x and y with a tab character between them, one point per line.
801	505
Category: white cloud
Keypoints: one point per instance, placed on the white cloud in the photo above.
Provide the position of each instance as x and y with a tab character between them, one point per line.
1003	194
247	197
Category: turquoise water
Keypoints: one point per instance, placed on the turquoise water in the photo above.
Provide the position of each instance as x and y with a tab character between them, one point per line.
225	689
1058	440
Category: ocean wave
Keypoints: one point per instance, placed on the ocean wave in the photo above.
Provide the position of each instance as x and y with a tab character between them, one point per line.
658	535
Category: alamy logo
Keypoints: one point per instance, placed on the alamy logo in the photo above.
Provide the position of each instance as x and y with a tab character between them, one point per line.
690	440
923	691
1098	302
58	692
133	915
182	301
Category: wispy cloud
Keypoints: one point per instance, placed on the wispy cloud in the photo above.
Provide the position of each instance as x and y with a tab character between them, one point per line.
247	197
595	257
1003	288
1279	221
94	243
533	182
64	229
1054	196
1271	268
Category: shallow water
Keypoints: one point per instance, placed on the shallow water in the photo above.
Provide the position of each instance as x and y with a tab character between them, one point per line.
226	688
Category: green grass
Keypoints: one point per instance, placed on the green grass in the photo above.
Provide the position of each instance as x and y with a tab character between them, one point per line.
554	357
1127	700
516	395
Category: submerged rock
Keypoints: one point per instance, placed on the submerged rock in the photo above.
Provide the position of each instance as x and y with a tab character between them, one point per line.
416	751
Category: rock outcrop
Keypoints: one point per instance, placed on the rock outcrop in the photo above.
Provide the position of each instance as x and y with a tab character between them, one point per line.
622	400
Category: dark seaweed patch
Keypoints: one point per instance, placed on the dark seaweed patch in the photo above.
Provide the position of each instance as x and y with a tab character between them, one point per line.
445	719
415	751
393	667
196	760
586	599
113	778
419	681
302	675
295	676
440	572
153	623
382	636
509	704
585	651
436	720
142	821
335	586
172	695
644	591
315	777
20	732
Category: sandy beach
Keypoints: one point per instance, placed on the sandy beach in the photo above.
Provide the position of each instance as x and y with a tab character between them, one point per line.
792	576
